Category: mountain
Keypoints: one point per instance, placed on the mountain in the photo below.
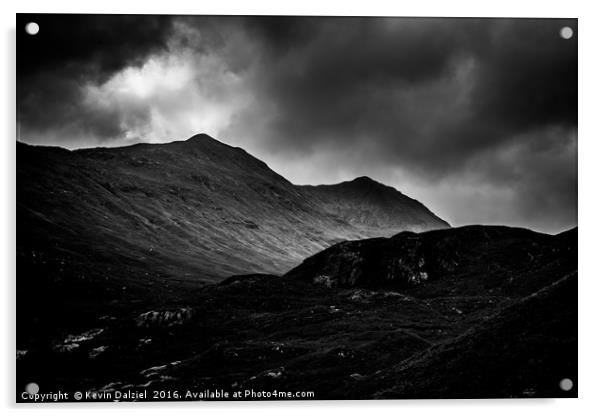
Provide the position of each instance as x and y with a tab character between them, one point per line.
196	209
374	208
496	316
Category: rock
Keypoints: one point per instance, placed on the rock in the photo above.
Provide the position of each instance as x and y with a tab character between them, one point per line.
97	351
83	337
73	342
361	296
324	280
165	318
275	374
153	370
143	342
388	294
66	348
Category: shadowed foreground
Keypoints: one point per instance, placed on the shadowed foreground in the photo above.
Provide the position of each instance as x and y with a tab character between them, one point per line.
457	313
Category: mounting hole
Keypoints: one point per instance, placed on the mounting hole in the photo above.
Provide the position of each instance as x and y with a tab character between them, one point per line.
32	388
566	384
566	32
32	28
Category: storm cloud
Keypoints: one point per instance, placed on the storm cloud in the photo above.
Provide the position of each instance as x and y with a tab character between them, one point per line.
476	118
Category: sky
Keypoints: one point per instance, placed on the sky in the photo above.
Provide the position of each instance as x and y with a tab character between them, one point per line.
476	118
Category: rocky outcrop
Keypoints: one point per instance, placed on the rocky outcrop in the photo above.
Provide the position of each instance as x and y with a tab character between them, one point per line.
368	263
477	258
165	318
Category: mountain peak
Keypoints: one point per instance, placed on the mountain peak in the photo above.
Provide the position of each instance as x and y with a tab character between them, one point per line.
202	141
364	180
200	137
367	184
374	207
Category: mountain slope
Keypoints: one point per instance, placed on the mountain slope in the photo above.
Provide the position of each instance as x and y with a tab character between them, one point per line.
196	208
524	350
374	208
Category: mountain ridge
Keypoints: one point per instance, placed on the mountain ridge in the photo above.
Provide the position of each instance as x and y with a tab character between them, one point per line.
198	205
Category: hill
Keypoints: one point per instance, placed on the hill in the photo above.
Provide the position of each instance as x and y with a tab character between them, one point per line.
496	317
195	208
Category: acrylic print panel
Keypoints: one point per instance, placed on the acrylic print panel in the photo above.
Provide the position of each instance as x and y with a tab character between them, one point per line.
295	208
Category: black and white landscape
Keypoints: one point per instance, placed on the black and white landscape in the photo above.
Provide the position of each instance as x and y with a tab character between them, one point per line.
430	253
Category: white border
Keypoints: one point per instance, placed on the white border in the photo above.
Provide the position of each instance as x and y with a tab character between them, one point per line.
590	202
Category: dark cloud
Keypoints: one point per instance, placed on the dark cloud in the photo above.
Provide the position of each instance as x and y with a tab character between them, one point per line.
473	116
529	75
71	50
400	83
93	44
